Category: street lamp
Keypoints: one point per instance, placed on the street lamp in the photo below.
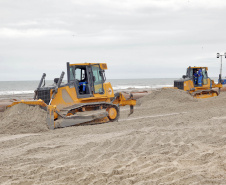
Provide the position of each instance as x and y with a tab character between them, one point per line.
220	56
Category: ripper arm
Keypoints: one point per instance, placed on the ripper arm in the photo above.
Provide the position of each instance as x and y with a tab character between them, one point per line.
122	101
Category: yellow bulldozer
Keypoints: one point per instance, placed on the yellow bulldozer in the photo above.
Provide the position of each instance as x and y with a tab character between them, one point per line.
85	99
203	90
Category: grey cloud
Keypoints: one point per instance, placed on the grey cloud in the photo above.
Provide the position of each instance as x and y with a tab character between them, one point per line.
134	37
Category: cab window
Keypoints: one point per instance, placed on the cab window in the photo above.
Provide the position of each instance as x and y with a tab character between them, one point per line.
205	76
204	73
97	79
80	74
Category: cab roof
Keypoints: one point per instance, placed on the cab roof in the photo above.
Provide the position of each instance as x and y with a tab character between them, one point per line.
198	67
102	65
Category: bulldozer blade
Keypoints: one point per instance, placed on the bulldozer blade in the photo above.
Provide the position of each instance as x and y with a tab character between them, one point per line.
82	117
61	123
50	119
131	109
40	102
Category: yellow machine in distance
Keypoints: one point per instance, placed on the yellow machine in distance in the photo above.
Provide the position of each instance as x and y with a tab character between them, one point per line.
187	83
85	98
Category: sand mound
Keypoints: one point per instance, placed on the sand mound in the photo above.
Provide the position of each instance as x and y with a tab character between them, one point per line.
167	95
23	118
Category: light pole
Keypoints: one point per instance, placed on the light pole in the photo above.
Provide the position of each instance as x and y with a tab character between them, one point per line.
220	56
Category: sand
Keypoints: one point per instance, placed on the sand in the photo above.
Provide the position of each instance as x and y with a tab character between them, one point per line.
170	139
23	118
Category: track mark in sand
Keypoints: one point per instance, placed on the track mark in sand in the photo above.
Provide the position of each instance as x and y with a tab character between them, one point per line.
11	137
224	117
155	116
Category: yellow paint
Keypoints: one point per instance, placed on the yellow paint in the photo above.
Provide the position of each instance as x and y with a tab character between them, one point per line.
188	85
102	65
199	68
112	113
29	102
202	96
122	101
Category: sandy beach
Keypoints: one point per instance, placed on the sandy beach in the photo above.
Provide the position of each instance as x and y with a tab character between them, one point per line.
171	138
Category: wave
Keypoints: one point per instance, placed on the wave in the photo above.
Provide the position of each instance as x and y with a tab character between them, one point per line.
124	87
117	87
15	92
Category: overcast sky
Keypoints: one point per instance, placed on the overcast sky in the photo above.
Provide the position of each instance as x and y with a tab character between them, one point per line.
136	38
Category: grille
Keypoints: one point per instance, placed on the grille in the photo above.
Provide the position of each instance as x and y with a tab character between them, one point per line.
179	84
44	94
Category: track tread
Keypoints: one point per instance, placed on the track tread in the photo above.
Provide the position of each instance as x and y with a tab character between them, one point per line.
63	112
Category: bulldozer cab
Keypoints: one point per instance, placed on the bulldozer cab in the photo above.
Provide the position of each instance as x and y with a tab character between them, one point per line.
87	78
198	84
192	71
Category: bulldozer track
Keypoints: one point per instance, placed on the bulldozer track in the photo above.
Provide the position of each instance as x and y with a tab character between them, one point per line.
203	92
78	108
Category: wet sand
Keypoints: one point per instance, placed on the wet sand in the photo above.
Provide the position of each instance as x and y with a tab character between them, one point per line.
170	139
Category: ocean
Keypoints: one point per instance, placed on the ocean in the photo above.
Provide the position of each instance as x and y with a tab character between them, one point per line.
26	87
